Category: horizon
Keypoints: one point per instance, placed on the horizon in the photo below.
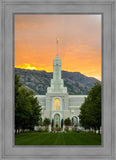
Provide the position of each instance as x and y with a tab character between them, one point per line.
79	43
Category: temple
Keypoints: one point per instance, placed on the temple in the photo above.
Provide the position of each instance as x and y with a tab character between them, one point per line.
57	104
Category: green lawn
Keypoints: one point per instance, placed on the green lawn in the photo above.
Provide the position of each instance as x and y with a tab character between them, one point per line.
36	138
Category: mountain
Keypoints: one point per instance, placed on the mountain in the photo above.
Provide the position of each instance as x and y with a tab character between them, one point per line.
38	81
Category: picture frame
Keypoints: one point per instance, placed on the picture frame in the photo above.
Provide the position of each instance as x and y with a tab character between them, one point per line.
10	7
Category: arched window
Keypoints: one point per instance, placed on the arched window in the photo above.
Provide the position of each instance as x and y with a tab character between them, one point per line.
57	104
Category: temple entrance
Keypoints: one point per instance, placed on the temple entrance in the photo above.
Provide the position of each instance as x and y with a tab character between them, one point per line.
56	120
74	121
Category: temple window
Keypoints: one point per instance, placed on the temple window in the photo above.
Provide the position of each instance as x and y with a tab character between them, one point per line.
57	104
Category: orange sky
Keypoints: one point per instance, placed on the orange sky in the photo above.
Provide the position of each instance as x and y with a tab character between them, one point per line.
79	42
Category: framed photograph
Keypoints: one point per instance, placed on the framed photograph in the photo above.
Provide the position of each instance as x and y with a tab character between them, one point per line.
57	79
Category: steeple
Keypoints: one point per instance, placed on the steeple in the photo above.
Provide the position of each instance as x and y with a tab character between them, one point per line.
57	83
57	47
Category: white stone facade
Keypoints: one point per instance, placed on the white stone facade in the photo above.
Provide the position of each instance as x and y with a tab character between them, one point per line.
57	104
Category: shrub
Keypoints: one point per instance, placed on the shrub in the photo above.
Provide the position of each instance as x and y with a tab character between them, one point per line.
46	129
67	129
67	122
58	129
52	128
46	122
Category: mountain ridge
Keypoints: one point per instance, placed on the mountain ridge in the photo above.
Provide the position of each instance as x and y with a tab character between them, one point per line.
38	81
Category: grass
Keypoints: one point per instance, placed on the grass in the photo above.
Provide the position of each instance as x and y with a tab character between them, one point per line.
36	138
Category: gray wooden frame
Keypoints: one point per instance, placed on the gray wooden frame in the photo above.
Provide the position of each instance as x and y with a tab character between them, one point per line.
107	150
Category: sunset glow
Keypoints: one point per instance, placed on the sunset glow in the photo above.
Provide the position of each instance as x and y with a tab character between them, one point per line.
27	66
79	44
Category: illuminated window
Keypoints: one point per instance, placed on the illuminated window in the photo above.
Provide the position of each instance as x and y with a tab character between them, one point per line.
57	104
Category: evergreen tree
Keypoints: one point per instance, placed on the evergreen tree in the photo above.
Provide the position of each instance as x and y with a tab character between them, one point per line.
90	111
35	116
62	123
27	108
52	122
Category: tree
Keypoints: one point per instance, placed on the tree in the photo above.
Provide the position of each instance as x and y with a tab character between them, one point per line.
62	123
22	110
35	116
67	122
90	111
52	122
46	122
27	108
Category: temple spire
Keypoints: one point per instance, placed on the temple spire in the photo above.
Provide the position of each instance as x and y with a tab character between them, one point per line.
57	47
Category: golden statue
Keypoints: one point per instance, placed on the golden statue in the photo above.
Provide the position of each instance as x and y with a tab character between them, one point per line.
57	39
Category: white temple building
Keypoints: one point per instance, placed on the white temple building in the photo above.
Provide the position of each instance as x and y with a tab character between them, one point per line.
57	104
